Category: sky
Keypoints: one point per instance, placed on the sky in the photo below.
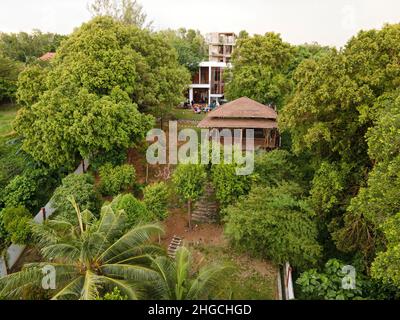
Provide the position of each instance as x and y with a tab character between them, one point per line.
328	22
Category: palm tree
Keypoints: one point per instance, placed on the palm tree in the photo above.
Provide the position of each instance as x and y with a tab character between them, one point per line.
177	282
90	259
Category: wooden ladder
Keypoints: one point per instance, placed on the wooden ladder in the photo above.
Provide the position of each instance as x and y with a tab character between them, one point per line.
173	247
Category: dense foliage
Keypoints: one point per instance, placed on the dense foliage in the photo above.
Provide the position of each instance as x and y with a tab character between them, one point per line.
16	223
274	223
25	47
344	114
261	68
81	187
31	189
136	211
101	75
228	185
189	180
156	198
9	71
190	46
114	180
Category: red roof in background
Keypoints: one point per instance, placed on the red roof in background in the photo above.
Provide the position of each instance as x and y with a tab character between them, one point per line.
47	56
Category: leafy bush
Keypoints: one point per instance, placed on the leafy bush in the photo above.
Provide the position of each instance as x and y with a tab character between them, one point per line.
116	179
228	185
113	295
156	199
17	224
328	284
116	157
30	189
274	223
134	209
274	167
4	235
12	161
81	187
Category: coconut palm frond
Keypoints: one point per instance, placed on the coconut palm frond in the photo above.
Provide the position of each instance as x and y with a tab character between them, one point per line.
52	232
137	253
14	284
72	290
182	265
129	272
69	252
207	280
90	288
111	225
135	237
164	287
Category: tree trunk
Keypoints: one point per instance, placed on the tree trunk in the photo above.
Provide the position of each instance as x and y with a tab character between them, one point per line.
190	214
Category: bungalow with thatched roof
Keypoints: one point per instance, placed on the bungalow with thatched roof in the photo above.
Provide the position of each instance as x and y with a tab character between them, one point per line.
243	114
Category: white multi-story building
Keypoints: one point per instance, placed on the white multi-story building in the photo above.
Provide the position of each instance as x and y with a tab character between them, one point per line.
208	83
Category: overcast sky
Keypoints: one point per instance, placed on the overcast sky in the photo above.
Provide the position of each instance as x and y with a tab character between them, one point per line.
330	22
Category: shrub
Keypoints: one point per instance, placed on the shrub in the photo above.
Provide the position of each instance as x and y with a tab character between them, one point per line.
81	187
12	161
275	223
30	189
116	179
4	235
228	185
17	224
156	199
134	209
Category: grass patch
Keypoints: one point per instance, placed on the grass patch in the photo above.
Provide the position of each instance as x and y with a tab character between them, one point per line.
186	114
252	279
7	115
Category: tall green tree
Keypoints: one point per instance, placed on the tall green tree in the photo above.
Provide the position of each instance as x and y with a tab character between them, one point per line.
25	47
261	65
101	75
9	70
126	11
189	180
275	223
190	46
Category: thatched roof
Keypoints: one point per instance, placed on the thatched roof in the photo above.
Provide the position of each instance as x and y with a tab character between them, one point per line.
241	113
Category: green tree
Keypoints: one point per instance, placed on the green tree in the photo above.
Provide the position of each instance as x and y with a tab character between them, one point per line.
261	65
386	266
114	180
90	258
30	189
9	71
101	74
156	198
179	282
274	223
81	187
16	223
328	284
229	186
190	46
135	209
126	11
189	182
26	47
274	167
31	84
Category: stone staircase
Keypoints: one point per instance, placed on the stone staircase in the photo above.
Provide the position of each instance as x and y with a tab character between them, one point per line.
173	247
206	208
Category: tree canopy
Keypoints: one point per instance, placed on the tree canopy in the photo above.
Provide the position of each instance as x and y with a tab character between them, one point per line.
101	75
